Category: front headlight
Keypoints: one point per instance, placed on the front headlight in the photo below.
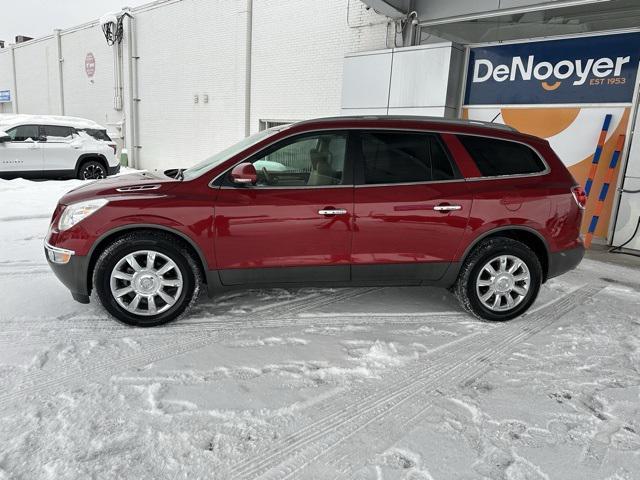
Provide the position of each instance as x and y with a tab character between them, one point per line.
76	212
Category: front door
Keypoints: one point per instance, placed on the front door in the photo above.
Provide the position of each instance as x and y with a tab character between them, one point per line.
411	208
295	224
22	155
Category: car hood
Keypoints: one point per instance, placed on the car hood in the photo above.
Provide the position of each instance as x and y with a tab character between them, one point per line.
138	183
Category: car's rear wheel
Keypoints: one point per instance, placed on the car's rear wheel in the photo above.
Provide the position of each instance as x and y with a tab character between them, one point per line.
92	170
147	280
500	279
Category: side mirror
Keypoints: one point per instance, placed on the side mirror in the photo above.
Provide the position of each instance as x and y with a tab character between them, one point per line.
244	174
4	137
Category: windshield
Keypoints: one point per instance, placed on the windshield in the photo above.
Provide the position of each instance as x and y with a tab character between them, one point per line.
226	154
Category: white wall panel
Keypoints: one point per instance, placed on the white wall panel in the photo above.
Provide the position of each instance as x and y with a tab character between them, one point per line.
298	55
403	81
6	78
37	77
194	47
6	75
420	77
365	81
83	96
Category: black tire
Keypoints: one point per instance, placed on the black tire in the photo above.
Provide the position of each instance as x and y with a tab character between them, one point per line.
465	286
92	170
163	243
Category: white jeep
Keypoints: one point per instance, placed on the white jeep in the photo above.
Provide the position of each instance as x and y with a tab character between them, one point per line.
53	146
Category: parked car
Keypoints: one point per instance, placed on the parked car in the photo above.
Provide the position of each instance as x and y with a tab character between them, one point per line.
481	209
34	146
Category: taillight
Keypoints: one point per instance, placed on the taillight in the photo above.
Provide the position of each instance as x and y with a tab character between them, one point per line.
580	196
115	148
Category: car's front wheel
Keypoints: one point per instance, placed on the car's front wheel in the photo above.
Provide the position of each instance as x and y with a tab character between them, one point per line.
500	279
146	279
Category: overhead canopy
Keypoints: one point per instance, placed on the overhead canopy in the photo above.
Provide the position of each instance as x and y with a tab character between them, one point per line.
476	21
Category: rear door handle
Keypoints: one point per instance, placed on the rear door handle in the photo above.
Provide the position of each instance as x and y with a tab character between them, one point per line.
332	211
447	208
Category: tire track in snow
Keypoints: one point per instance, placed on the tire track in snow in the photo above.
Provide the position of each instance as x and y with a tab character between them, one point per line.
372	404
70	333
44	382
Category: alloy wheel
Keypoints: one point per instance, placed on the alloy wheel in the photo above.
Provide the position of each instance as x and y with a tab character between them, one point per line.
503	283
93	172
146	282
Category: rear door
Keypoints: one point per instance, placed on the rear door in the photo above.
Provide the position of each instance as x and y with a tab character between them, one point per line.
61	148
295	225
411	207
23	152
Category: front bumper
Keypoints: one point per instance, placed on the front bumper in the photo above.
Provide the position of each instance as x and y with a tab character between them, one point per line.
73	273
562	262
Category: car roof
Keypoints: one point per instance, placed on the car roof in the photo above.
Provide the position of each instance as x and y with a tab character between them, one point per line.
11	120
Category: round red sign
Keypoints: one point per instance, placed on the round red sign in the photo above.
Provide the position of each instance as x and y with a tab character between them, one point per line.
90	65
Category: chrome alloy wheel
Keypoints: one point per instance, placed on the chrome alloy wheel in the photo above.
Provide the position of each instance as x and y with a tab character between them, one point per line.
146	282
503	283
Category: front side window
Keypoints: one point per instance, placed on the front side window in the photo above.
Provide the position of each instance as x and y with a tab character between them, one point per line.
391	157
312	160
56	132
23	133
496	157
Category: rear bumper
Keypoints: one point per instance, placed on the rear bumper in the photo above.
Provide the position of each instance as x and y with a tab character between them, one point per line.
73	274
113	170
562	262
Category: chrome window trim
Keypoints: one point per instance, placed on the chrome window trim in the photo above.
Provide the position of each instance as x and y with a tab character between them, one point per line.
428	182
546	171
276	187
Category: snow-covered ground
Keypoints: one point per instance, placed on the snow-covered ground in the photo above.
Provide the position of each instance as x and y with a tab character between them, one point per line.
370	383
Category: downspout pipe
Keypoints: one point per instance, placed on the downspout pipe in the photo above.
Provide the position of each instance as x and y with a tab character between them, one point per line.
15	80
60	69
132	120
247	80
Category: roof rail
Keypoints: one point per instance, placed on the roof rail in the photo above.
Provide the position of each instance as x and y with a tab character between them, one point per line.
416	118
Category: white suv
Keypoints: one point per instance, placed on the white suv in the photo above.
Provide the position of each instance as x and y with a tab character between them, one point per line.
52	146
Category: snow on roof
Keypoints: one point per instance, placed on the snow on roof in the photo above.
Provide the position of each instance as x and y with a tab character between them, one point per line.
11	120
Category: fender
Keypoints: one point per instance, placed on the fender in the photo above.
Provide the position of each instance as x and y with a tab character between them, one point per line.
478	239
146	226
86	156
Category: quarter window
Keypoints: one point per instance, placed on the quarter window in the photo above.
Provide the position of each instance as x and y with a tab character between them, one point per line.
23	133
501	157
391	157
316	160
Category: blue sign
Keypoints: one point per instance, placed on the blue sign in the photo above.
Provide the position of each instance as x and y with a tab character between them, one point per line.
5	96
591	69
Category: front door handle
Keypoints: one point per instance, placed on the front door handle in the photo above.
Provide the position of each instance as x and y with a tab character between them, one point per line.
447	208
332	211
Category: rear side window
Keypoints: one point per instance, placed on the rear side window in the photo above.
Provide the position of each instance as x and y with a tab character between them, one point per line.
56	131
496	157
391	157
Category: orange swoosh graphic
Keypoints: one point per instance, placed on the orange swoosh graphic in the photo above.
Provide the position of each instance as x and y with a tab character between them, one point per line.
550	88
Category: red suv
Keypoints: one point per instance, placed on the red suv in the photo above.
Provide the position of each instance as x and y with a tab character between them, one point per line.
478	208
